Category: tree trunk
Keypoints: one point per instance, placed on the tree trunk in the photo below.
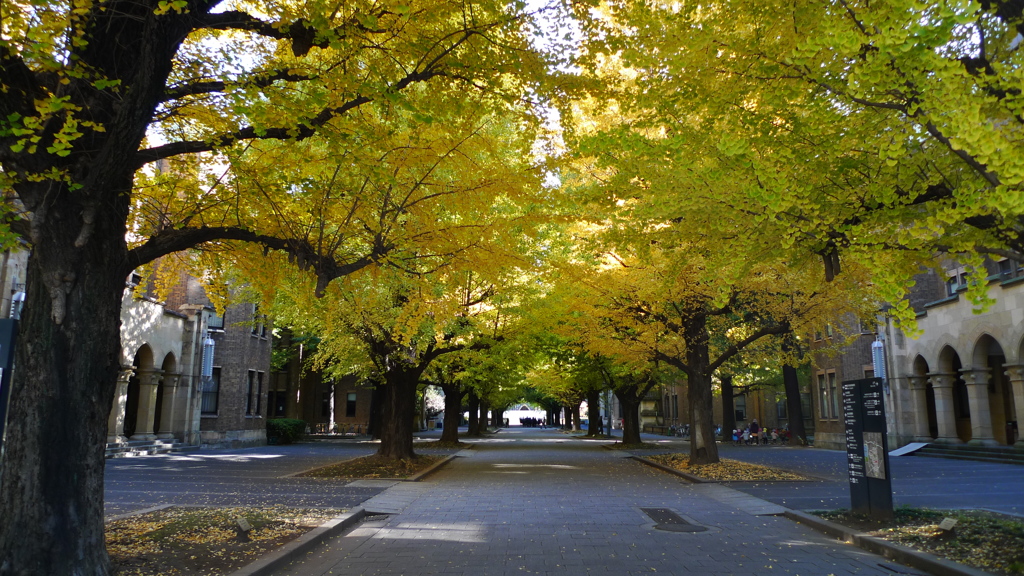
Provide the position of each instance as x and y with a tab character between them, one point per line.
399	413
794	408
474	415
484	407
574	410
68	357
630	415
376	411
453	395
594	413
728	408
703	448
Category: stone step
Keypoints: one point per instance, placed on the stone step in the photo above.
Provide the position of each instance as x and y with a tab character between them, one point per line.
999	454
146	447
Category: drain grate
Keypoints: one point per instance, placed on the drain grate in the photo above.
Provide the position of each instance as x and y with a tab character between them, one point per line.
669	521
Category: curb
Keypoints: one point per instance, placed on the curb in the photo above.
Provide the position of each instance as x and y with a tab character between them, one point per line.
421	475
680	473
902	554
291	551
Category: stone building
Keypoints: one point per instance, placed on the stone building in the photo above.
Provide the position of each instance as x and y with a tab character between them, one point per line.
960	380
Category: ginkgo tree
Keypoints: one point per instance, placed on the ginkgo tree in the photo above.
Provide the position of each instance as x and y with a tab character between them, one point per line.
877	133
96	94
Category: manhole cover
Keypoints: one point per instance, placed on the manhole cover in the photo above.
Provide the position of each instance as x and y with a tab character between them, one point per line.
669	521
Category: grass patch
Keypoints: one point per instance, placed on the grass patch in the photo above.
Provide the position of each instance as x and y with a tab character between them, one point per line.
375	467
986	540
203	541
726	470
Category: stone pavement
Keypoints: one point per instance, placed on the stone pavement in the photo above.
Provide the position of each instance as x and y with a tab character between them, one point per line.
530	501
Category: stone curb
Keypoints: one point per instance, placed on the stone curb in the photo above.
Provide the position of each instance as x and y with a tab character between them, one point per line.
421	475
291	551
902	554
680	473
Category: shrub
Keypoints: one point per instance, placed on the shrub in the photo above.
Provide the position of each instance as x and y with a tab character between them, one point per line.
286	430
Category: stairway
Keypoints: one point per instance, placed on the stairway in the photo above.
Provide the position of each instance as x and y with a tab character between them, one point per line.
146	447
1001	454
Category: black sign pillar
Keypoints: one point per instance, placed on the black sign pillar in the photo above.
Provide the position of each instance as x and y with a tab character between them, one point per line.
867	448
8	335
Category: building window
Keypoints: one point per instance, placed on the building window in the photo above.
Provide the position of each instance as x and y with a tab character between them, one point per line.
740	405
325	404
350	405
248	393
822	396
1007	268
211	393
259	322
780	410
215	322
833	393
259	393
675	406
828	330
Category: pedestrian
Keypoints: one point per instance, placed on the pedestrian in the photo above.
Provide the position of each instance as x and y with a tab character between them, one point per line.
755	430
746	435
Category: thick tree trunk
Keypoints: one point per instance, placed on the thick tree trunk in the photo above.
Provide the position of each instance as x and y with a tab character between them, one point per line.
630	415
728	408
794	408
594	413
498	417
67	362
703	448
453	395
399	413
574	410
474	415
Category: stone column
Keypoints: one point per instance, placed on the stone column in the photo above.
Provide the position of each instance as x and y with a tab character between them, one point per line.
919	400
981	409
942	384
115	422
147	405
1016	376
169	408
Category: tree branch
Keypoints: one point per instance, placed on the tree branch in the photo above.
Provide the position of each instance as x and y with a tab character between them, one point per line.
303	253
737	347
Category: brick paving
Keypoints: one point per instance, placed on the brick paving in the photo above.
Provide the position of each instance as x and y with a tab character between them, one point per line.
530	501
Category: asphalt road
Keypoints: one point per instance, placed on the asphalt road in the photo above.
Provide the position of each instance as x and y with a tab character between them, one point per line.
245	477
918	481
264	476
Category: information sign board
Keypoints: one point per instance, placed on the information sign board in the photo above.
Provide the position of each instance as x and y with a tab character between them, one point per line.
867	448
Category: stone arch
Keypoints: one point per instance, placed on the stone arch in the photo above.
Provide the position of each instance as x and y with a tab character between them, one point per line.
991	393
946	357
142	363
923	401
952	405
165	401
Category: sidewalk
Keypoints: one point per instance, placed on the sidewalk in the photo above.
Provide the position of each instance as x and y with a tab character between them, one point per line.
530	501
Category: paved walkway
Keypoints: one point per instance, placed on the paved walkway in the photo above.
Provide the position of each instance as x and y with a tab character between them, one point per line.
531	501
